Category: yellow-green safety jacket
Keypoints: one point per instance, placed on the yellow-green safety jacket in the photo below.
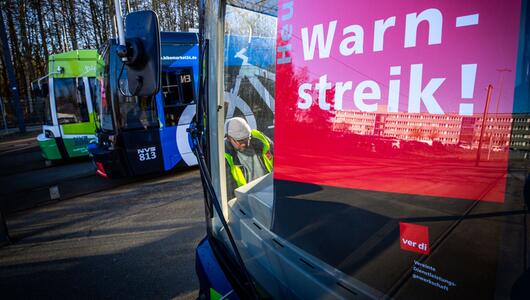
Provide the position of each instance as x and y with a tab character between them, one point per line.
266	157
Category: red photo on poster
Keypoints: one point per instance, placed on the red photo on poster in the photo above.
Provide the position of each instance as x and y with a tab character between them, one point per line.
414	97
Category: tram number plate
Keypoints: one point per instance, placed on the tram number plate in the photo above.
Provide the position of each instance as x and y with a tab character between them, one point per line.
185	78
148	153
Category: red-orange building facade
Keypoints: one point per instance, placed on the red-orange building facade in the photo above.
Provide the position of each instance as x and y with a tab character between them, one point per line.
446	129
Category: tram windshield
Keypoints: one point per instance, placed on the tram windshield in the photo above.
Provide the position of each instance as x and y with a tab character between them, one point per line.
70	100
349	152
135	112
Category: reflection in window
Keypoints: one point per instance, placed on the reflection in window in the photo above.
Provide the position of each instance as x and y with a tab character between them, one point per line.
249	65
93	93
136	112
103	97
47	113
70	100
44	98
249	91
350	230
103	105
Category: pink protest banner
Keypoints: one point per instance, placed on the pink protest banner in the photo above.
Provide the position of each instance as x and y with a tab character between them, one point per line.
411	97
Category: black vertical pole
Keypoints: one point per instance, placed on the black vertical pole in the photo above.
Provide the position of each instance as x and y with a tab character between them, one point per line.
484	116
13	88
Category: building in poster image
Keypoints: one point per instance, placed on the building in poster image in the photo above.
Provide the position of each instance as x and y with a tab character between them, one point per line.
501	130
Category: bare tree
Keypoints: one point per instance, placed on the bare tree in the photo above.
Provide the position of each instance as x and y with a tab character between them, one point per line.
38	28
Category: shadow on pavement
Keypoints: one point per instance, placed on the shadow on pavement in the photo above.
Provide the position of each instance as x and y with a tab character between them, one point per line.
136	242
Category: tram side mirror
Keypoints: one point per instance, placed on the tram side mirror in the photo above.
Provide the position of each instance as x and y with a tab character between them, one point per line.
142	50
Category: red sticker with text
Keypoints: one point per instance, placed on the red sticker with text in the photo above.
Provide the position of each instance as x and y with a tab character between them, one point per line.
414	238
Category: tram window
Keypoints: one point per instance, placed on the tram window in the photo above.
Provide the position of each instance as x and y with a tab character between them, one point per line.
249	82
136	112
47	112
43	99
186	81
249	92
103	97
93	92
177	87
103	105
170	89
70	101
177	92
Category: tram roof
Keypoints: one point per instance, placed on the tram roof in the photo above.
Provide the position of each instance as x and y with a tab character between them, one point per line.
81	54
76	63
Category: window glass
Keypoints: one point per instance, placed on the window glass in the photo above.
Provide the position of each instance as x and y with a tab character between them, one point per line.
398	138
47	112
186	84
70	100
103	94
170	88
93	93
136	112
177	92
103	103
249	95
43	96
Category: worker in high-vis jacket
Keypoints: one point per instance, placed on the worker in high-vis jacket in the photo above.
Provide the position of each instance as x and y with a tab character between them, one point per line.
248	154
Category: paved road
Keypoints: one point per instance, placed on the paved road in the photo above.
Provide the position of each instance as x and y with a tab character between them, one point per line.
20	153
135	241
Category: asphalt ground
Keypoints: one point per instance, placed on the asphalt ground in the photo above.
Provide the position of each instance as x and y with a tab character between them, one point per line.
26	179
20	153
136	241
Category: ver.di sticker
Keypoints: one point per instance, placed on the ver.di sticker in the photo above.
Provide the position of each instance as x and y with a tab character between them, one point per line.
414	238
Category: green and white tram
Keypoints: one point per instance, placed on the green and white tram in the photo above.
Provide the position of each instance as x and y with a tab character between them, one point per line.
70	118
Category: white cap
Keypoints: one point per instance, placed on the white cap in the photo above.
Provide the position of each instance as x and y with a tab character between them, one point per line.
237	128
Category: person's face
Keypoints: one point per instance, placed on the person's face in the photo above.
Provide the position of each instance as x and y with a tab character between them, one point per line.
239	145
